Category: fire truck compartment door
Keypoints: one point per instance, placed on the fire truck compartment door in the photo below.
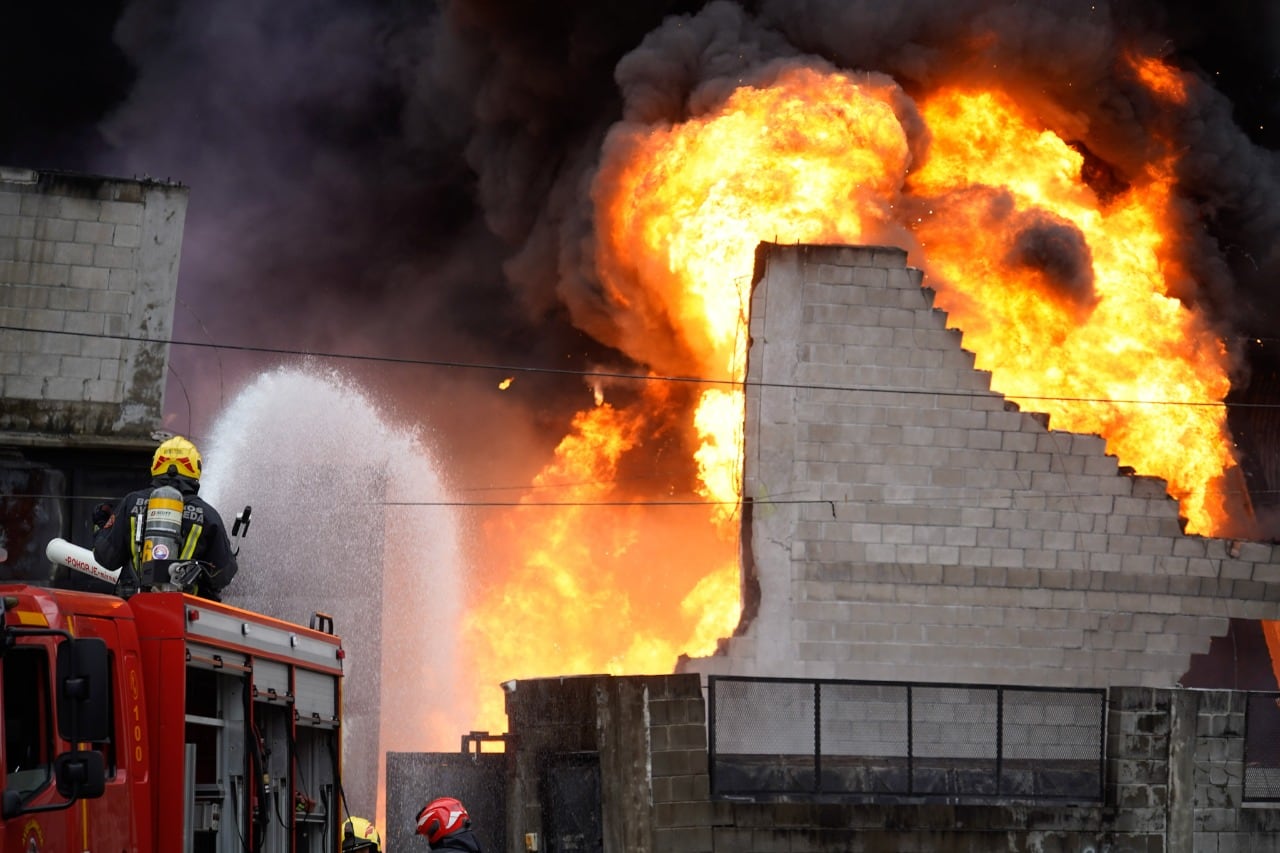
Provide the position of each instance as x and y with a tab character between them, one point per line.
270	681
317	698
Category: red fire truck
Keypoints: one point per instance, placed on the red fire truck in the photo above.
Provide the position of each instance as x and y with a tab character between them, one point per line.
166	723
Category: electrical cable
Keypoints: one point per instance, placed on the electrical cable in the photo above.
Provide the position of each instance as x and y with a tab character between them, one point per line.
637	377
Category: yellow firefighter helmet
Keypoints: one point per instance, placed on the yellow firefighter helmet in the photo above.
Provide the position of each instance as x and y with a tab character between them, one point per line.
176	456
358	834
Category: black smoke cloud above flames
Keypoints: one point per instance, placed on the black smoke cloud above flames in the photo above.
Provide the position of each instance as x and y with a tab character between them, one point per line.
1057	250
412	180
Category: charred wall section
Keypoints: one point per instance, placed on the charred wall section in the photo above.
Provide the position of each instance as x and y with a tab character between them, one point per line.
925	528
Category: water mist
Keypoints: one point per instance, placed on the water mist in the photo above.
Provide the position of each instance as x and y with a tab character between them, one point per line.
349	518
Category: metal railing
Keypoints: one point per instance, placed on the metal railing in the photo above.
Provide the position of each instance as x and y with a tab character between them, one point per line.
774	737
1261	748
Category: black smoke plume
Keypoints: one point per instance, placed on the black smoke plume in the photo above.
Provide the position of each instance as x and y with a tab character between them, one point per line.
410	180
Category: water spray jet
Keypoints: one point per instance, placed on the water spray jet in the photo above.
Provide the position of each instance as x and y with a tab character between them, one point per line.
351	518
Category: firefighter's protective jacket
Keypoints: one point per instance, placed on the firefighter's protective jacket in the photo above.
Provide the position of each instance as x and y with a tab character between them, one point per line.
204	536
463	839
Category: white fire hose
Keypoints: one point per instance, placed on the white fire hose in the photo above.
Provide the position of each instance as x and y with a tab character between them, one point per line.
64	553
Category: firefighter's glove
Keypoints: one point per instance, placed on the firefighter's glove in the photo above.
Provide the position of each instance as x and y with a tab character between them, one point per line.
102	517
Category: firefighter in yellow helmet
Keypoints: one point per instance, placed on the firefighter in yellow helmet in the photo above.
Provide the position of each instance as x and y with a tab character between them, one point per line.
123	540
360	836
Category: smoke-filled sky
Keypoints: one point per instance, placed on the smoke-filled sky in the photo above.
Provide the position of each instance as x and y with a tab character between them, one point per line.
411	180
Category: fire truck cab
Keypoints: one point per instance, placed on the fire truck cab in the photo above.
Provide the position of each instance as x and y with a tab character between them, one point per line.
166	722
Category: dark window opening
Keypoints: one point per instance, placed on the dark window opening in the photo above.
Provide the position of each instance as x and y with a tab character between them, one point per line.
28	720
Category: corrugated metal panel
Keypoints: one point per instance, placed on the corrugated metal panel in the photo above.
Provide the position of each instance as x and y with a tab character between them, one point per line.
316	701
270	679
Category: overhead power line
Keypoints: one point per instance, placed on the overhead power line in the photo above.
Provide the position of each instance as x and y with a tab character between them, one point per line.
606	374
989	495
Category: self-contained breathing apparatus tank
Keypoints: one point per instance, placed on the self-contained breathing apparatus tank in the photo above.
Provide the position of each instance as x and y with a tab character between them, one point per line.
162	535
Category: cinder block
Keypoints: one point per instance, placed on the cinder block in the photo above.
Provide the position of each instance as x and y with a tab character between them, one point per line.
1101	466
68	299
53	230
1259	552
35	205
115	256
24	387
123	280
683	839
88	278
127	236
74	254
121	213
9	227
92	232
63	388
71	207
72	367
44	319
50	275
102	391
108	302
84	322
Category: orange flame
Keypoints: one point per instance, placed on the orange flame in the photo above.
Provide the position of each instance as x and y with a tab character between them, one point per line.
1081	328
596	581
1159	78
813	157
1062	296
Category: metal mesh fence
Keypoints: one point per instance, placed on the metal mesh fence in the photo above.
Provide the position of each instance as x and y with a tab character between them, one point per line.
1262	747
822	737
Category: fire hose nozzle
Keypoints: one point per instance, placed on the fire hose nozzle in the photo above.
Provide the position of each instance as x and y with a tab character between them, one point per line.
241	525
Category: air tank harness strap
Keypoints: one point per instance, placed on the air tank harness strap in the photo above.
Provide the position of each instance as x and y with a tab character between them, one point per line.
135	541
189	546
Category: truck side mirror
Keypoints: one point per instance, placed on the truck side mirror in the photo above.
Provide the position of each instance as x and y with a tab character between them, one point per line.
80	774
84	699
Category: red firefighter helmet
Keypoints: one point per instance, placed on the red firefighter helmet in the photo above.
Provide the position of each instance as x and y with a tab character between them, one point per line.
440	817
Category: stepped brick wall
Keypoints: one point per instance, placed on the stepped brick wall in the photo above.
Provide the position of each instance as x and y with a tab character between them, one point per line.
905	522
88	271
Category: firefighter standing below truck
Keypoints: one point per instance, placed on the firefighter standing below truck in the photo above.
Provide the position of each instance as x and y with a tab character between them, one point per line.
447	826
360	836
121	542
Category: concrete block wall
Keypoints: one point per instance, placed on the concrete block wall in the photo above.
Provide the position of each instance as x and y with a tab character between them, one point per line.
905	522
1173	767
1175	772
682	811
88	272
648	735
